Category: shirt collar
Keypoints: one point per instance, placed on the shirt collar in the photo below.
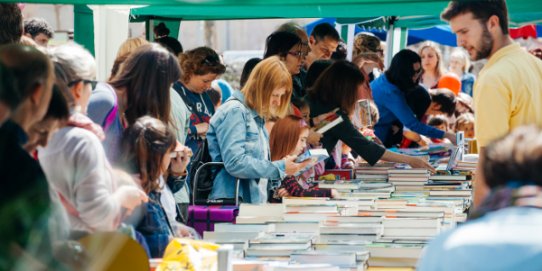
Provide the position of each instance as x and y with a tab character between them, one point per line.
239	96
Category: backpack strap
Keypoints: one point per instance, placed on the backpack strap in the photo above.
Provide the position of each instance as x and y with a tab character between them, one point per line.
110	118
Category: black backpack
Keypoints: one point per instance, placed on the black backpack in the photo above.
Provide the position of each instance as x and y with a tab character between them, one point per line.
205	176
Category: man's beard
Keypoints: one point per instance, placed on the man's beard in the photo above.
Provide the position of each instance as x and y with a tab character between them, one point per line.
485	45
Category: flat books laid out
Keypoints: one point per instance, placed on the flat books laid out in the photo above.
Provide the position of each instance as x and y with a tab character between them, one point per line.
317	155
340	184
328	123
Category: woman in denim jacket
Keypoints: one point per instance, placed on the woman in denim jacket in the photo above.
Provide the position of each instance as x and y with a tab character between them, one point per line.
238	138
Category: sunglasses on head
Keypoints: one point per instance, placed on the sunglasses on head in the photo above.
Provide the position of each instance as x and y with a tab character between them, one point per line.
211	60
91	82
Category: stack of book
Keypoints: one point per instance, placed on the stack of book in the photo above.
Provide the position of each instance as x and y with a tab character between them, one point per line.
464	165
343	229
377	169
393	254
260	213
345	260
411	180
278	245
411	228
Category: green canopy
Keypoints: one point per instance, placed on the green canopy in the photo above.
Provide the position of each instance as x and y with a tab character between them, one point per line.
411	13
522	11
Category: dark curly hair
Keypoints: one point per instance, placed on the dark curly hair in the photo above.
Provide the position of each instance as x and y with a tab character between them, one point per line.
200	61
36	26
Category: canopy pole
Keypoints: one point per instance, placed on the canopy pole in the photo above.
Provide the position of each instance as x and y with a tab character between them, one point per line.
350	41
396	40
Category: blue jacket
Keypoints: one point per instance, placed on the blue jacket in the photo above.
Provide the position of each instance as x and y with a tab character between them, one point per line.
467	83
234	138
154	226
392	106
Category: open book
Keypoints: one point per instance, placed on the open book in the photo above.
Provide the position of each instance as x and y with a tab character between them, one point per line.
316	155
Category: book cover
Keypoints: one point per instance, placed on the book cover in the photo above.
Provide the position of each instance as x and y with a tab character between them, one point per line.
317	155
330	122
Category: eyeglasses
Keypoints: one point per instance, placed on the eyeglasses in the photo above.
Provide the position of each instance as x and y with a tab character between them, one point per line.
298	54
91	82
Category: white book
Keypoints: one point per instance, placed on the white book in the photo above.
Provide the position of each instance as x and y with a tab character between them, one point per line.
301	227
330	125
276	210
452	193
230	236
230	227
354	219
342	259
410	232
383	250
322	238
257	219
353	228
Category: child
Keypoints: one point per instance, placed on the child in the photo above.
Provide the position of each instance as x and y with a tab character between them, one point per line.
441	123
465	123
289	137
368	116
148	146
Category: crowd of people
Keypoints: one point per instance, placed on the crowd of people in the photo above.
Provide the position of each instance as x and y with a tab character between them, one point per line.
79	156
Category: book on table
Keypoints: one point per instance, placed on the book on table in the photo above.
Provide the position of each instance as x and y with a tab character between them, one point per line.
340	184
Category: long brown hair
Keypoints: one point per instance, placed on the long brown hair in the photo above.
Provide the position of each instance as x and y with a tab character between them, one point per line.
144	145
147	75
338	86
284	136
268	75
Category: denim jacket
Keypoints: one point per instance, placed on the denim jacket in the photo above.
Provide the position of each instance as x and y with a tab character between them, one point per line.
154	226
234	138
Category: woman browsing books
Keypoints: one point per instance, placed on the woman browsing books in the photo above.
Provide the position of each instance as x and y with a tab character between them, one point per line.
341	85
289	137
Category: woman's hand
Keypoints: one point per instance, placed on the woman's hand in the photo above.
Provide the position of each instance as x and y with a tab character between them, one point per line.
314	138
292	167
416	162
130	197
180	162
282	192
202	128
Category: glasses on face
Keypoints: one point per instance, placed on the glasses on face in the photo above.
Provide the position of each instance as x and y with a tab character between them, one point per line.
91	82
298	54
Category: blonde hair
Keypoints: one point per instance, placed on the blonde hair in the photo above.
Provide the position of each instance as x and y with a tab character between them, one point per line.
270	74
461	54
130	45
463	119
126	48
429	44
